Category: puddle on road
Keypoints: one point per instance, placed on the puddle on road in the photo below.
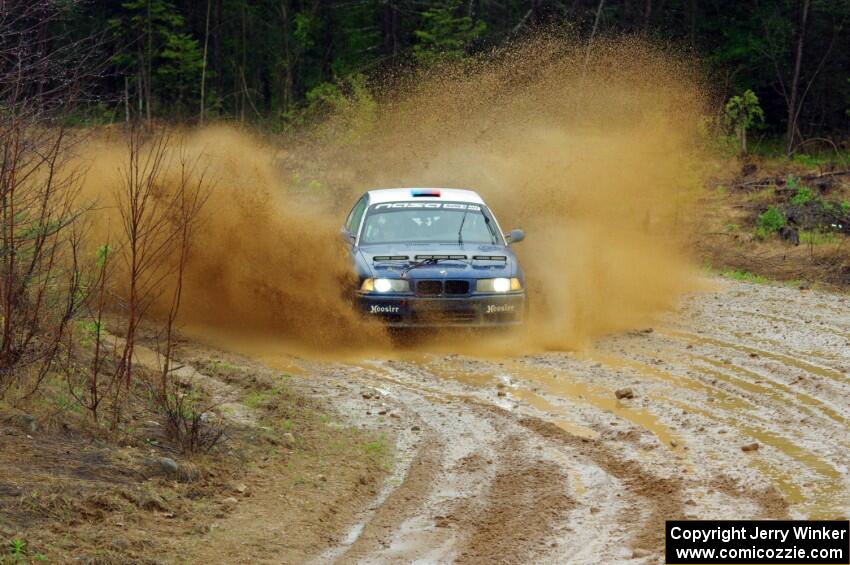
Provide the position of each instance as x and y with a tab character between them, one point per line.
722	398
824	497
491	380
567	387
827	498
776	390
540	403
823	327
791	361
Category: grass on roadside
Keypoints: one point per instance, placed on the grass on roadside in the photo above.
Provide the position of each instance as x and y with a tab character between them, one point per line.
744	276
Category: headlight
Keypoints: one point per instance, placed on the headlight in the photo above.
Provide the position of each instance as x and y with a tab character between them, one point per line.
385	285
498	285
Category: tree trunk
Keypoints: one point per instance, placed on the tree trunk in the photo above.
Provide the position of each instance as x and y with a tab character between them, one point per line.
242	68
149	66
793	113
289	60
390	28
692	24
204	66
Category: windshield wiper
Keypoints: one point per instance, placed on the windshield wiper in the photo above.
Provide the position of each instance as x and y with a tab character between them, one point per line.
460	229
490	228
422	263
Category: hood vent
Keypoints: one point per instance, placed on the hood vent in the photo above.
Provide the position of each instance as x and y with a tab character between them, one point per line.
490	258
426	257
390	258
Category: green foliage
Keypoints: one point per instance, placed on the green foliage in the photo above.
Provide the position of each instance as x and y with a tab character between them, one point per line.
17	550
220	365
744	275
793	182
91	332
265	56
103	253
446	32
802	193
94	115
347	109
742	113
258	398
769	222
809	160
180	67
818	237
161	51
377	450
357	37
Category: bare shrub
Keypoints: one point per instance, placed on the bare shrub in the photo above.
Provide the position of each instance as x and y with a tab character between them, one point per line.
159	200
188	422
89	360
40	243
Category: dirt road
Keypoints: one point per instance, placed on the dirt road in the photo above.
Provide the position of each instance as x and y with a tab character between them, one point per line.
739	410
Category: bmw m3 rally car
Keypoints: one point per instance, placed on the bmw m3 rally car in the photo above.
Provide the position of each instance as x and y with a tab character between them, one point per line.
431	257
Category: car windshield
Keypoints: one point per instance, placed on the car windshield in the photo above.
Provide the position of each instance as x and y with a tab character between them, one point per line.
428	222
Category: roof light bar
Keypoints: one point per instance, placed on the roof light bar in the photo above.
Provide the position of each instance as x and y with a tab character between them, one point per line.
433	192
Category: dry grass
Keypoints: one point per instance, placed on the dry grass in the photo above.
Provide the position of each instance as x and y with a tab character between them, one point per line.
728	239
69	491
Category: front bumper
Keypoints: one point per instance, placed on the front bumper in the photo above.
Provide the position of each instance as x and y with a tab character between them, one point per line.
489	310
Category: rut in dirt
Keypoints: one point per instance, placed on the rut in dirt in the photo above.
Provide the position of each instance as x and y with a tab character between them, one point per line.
535	458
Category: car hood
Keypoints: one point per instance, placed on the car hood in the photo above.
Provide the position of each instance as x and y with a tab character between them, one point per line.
479	261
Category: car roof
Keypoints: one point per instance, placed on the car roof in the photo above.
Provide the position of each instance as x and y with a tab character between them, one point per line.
382	195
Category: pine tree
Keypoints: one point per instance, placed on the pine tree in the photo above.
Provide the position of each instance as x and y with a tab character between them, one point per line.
445	34
164	60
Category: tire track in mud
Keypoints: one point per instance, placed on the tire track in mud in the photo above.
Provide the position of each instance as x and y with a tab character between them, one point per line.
797	447
400	505
534	459
662	496
473	496
797	401
525	506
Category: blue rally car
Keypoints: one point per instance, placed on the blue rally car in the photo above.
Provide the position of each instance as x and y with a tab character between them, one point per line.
429	257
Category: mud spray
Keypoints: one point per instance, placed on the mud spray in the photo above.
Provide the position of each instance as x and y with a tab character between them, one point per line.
595	153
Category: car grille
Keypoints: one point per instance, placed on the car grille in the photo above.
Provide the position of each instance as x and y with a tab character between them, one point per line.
457	287
429	288
438	288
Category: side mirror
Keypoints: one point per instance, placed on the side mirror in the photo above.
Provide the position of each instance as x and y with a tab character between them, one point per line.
347	236
515	236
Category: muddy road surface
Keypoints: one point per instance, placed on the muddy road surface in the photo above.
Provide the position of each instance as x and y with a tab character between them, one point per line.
737	407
